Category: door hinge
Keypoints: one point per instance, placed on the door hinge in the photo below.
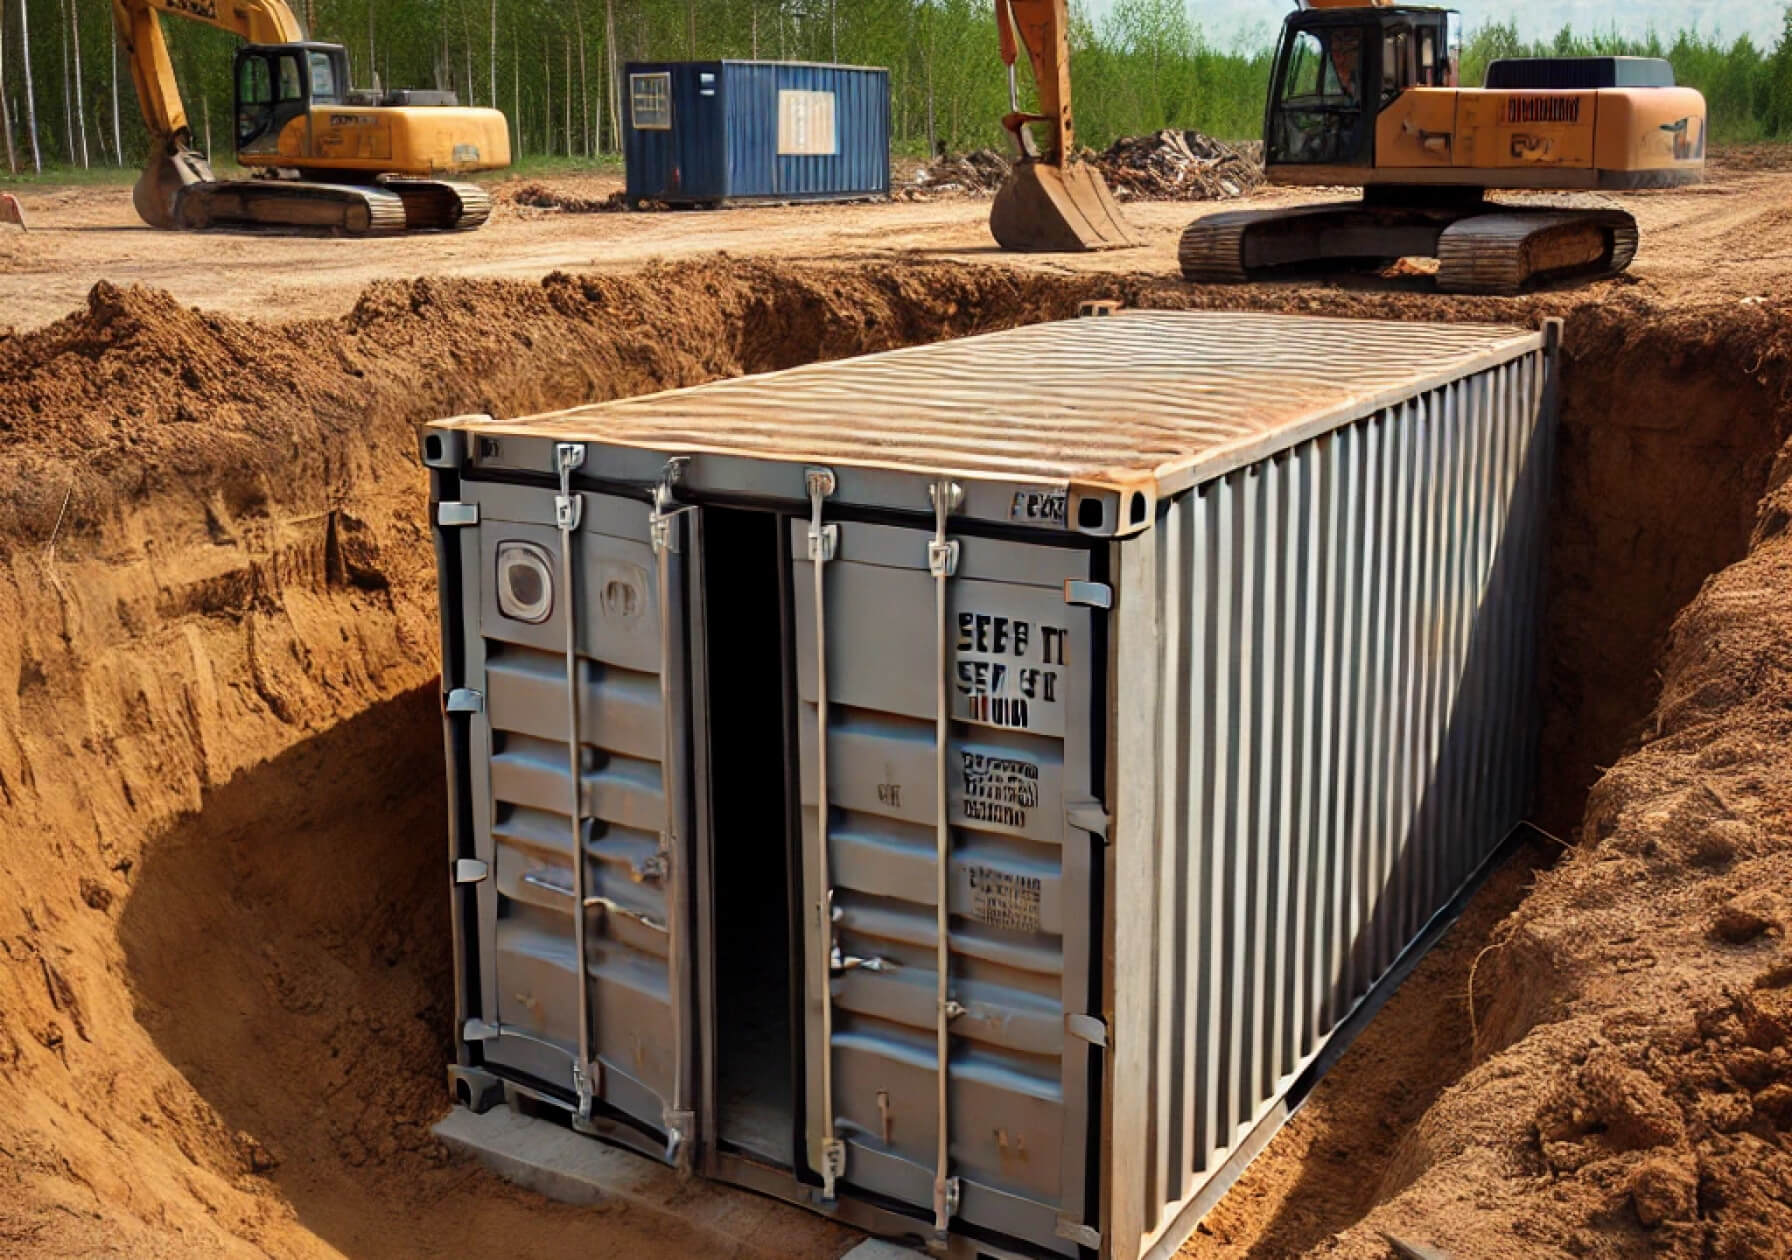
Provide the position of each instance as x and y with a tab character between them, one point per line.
942	558
666	508
470	871
452	512
680	1125
1086	1028
569	508
1088	816
824	540
833	1167
1082	1235
1088	594
464	700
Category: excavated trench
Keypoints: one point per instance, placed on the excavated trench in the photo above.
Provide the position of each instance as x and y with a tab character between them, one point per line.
224	1004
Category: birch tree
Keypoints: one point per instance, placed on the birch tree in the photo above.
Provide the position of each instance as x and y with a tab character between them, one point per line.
37	157
12	157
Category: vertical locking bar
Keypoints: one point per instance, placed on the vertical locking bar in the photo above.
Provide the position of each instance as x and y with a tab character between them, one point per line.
823	541
942	563
569	510
663	531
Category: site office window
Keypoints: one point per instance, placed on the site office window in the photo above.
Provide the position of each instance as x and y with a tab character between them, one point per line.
650	101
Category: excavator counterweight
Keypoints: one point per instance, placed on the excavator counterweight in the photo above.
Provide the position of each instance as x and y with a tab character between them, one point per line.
1051	203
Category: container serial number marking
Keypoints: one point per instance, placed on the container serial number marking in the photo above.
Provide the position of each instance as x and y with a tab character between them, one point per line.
1006	900
1008	668
1040	505
999	790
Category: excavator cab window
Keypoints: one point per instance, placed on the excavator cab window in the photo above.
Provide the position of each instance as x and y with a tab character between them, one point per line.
292	83
273	87
1318	114
1398	68
254	99
324	88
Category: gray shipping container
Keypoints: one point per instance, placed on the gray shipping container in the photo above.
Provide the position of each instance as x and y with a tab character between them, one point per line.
1109	709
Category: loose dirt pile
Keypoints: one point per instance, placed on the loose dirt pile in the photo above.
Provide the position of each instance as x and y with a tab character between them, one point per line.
221	993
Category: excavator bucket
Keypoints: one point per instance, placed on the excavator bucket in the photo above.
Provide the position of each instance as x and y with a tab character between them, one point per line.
1047	209
158	188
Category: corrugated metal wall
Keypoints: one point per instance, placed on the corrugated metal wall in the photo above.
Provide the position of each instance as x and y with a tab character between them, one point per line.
859	166
1347	731
725	146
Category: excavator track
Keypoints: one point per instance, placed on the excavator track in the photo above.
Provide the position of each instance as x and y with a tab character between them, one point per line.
1505	253
1212	249
1480	247
441	205
351	209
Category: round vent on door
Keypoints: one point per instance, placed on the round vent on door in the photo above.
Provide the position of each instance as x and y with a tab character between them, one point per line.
525	582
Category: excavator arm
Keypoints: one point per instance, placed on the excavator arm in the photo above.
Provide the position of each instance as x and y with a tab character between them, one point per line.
1051	202
173	161
1041	28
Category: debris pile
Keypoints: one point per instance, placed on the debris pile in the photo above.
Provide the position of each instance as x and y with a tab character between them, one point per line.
975	174
1180	166
541	197
1164	166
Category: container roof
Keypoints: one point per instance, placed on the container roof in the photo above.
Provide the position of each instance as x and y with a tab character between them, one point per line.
1141	399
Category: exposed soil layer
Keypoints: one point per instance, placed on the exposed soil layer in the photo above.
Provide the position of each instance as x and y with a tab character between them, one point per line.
221	993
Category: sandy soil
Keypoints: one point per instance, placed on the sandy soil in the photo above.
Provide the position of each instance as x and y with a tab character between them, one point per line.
1731	236
221	1020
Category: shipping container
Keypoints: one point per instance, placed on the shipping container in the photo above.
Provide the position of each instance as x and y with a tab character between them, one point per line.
1108	709
711	132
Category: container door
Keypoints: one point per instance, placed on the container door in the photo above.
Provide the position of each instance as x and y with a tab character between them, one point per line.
583	929
999	787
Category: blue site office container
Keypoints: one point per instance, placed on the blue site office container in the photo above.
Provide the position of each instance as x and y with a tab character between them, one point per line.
709	132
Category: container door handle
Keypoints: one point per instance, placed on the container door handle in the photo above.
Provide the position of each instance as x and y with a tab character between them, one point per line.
569	510
942	563
823	542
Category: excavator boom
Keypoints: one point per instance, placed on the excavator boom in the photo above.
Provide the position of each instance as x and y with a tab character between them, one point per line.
1051	202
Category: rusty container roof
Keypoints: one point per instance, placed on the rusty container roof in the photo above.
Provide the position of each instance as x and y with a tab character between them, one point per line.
1158	399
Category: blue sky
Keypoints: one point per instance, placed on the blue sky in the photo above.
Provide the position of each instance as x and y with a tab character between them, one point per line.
1228	20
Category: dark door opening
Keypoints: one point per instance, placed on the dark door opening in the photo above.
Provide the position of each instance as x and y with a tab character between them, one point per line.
755	1058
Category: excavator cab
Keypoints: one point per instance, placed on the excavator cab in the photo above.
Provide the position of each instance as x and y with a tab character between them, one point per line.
276	83
1337	69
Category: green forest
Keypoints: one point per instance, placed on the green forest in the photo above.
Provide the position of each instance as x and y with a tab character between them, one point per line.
66	99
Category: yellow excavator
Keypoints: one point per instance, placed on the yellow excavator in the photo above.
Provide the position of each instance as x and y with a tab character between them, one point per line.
325	156
1050	202
1364	93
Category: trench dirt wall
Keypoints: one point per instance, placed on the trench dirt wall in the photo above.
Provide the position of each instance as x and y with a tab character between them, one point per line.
222	1015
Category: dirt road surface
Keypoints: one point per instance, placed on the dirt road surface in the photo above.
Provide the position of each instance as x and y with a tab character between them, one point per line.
1732	235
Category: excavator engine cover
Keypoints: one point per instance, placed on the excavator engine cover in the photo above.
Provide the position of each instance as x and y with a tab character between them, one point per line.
1047	209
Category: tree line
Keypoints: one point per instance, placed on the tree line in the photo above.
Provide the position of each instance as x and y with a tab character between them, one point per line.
556	69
